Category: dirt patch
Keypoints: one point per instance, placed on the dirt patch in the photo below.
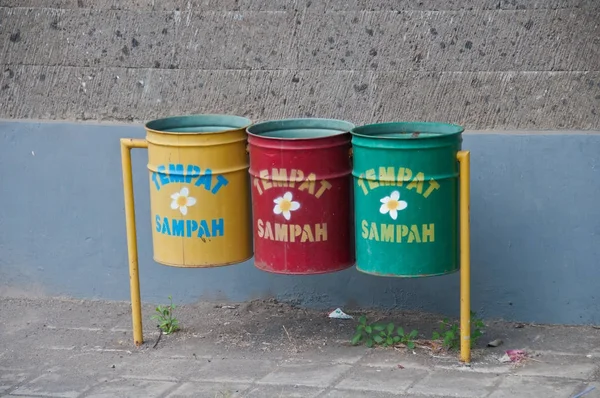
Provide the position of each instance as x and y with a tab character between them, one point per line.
273	326
270	326
259	328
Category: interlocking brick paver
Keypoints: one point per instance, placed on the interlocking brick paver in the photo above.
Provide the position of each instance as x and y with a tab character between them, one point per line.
234	370
393	358
130	388
534	387
283	391
567	367
10	378
340	354
56	384
203	389
23	396
359	394
455	384
167	369
311	374
386	379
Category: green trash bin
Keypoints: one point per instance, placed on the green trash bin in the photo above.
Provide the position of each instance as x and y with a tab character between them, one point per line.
406	198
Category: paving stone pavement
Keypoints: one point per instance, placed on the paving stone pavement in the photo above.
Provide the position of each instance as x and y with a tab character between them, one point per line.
72	349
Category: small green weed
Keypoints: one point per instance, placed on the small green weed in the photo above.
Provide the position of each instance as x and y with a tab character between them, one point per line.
166	321
380	334
449	333
407	339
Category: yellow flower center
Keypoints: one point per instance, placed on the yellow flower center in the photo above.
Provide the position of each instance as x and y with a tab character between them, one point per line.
182	201
392	204
285	205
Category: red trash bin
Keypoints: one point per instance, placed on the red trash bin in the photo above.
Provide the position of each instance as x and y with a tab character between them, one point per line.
302	198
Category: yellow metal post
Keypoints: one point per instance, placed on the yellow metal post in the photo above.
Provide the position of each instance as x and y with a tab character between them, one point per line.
464	158
134	275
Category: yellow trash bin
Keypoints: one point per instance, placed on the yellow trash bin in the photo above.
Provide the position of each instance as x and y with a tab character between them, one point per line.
199	190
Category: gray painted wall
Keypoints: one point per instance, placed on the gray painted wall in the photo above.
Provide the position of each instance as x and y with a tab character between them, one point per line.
489	65
535	230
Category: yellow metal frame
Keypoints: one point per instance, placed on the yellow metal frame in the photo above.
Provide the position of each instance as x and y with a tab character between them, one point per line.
127	144
464	159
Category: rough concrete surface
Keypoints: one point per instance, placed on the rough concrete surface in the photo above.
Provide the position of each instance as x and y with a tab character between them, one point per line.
501	99
279	5
480	63
70	348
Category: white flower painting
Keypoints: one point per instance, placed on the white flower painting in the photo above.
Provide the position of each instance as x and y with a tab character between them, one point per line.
392	205
285	205
182	200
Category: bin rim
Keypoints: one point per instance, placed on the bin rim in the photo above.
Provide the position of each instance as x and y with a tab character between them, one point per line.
337	126
381	130
224	122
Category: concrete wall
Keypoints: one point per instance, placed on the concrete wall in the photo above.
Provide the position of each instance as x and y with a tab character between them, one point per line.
535	226
497	64
493	65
